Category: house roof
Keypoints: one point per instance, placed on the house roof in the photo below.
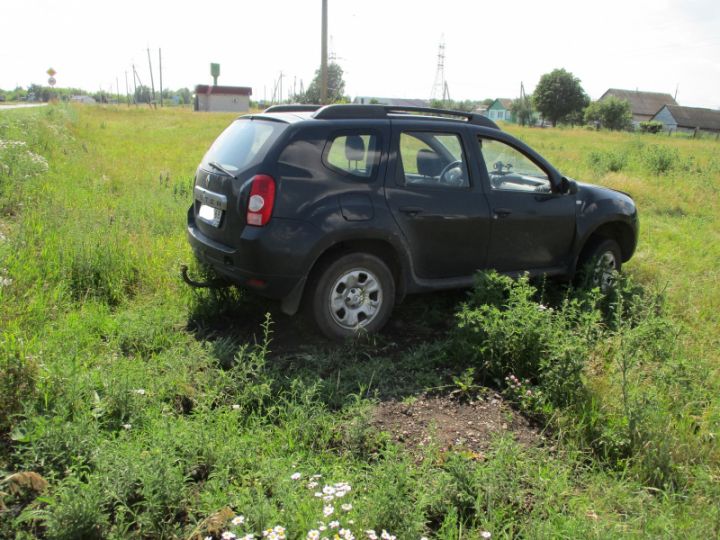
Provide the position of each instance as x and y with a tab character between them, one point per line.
644	103
694	117
505	103
227	90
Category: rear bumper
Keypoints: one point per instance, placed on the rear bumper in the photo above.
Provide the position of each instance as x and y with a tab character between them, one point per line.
260	262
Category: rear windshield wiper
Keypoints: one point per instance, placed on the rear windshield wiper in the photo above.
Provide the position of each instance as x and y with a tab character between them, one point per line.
217	166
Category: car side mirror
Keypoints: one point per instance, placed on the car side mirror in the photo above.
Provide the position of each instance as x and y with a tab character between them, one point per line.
568	186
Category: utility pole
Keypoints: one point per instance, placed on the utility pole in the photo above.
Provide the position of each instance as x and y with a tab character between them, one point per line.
152	82
135	77
160	59
324	57
127	89
117	90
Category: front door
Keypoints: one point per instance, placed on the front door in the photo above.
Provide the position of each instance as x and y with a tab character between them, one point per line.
533	226
442	213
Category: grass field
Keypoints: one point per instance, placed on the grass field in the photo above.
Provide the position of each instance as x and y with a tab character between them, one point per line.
134	407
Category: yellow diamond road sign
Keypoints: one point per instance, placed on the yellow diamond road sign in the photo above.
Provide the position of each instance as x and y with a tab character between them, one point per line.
51	72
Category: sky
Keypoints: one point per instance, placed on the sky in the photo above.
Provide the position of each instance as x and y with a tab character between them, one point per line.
387	48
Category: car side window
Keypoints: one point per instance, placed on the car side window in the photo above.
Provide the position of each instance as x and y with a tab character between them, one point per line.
510	170
433	160
355	154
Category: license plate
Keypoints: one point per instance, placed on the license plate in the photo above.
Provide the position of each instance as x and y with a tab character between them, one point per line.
210	215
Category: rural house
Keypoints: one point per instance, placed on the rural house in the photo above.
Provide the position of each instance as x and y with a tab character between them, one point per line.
688	119
500	110
222	98
643	105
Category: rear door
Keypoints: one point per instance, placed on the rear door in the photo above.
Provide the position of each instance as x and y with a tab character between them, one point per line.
439	207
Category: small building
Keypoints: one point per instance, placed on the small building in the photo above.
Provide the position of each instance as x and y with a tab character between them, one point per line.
86	100
500	110
688	119
210	98
393	102
643	105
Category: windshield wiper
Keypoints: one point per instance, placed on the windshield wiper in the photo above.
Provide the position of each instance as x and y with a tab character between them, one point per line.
217	166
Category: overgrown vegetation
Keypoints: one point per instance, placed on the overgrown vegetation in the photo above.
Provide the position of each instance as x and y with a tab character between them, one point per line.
133	407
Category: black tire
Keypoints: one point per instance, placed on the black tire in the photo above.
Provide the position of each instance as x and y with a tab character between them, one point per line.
600	260
353	294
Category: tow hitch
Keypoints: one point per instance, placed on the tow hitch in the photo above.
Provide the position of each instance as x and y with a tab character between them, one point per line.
210	284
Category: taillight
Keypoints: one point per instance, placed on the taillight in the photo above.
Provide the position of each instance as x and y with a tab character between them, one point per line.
261	201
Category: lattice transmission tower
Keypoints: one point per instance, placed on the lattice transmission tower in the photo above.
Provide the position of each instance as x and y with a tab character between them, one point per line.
440	90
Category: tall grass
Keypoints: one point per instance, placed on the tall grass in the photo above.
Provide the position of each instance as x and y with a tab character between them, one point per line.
150	419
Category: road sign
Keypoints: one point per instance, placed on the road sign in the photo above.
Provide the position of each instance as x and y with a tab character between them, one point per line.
51	72
52	81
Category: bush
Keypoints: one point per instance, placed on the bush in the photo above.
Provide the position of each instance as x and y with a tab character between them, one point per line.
651	126
18	373
607	161
659	159
610	113
515	334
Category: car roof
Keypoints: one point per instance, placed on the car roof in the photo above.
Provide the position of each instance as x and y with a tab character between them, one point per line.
295	113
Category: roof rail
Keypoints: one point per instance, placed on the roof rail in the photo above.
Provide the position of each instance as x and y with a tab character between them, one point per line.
295	107
350	111
329	112
472	118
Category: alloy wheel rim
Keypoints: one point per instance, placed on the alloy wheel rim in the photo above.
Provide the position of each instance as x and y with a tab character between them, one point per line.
605	271
355	299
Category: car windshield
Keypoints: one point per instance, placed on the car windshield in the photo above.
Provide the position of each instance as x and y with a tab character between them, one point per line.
243	144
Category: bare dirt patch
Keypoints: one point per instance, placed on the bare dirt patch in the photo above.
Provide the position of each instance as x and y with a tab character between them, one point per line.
453	424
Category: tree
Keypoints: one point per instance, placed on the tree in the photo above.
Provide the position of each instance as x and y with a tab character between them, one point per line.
558	95
336	86
522	110
611	113
142	94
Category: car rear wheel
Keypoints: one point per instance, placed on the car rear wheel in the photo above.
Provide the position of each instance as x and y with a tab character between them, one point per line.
600	264
353	294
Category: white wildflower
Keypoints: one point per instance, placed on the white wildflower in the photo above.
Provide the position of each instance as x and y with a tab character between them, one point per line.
236	407
140	391
329	490
127	426
312	485
334	524
227	535
371	534
486	535
346	507
295	476
238	520
313	535
328	509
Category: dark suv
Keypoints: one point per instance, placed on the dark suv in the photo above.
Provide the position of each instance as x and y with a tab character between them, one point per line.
348	208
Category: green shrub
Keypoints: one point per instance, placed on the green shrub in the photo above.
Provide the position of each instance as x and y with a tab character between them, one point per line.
659	159
607	161
516	334
18	375
651	126
74	511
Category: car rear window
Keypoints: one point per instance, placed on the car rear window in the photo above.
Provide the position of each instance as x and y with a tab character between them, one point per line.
244	143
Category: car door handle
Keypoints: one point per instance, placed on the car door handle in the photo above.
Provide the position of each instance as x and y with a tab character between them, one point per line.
501	212
411	211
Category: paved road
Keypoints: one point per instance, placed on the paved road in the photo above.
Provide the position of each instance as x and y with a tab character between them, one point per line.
22	106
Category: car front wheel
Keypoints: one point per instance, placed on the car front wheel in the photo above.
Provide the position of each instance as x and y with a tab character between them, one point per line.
353	294
601	264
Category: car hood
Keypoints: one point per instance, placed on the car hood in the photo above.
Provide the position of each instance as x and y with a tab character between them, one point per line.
591	194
